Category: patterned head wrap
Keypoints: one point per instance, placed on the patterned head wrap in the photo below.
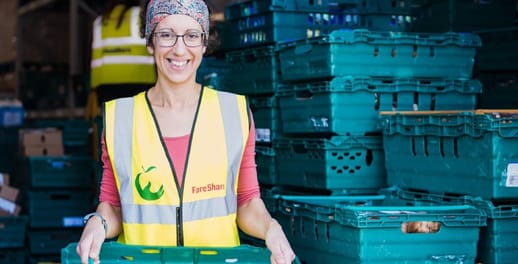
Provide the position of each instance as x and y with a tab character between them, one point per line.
160	9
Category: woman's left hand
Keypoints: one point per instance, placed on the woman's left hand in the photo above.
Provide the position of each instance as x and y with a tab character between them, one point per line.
278	244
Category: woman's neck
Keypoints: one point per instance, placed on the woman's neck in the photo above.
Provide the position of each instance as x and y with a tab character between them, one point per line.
174	97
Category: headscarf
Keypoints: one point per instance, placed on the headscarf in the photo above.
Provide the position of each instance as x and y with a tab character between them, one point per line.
160	9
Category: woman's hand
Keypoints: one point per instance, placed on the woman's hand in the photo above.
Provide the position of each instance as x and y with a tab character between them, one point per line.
92	238
278	244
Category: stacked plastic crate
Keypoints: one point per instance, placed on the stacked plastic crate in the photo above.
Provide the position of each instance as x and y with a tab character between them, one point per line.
334	88
466	157
328	87
497	25
57	182
254	31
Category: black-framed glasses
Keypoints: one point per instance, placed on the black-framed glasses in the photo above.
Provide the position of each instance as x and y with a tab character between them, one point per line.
191	38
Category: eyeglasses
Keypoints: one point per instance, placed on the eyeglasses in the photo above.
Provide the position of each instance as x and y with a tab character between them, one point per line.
192	38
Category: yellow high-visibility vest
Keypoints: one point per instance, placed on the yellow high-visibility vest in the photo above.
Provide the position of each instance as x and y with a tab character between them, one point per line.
156	209
119	55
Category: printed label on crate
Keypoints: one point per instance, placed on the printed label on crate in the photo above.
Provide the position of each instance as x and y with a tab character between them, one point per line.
73	221
319	121
262	135
512	175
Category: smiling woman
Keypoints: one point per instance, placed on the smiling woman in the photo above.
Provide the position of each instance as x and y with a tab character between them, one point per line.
159	176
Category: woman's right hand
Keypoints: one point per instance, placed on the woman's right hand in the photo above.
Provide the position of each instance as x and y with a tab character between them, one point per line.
92	238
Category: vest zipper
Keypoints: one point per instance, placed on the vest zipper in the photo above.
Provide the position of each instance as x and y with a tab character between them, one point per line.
179	230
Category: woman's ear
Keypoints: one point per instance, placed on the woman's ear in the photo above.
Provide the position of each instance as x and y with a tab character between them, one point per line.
150	49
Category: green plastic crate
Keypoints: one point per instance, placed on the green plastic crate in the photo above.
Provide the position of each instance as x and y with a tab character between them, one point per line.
266	167
57	208
113	252
51	241
365	229
379	54
53	172
265	111
341	164
12	231
350	104
255	71
469	153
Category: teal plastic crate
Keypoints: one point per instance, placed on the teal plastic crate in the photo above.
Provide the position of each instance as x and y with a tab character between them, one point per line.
9	145
498	239
379	54
462	15
284	26
12	231
350	104
500	91
248	8
341	164
50	241
114	252
76	132
356	229
8	256
469	153
255	71
266	166
265	111
213	71
51	172
57	208
498	54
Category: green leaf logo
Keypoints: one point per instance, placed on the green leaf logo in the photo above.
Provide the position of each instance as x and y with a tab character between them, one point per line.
146	193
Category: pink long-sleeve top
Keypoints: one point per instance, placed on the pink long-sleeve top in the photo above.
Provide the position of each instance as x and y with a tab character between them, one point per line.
248	186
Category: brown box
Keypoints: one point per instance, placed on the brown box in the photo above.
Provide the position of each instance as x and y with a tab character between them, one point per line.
8	11
50	150
4	179
41	137
9	193
9	208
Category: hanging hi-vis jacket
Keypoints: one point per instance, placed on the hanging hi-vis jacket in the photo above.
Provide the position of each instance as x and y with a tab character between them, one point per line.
156	209
119	55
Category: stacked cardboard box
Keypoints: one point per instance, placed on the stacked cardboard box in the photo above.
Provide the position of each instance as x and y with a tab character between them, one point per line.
41	142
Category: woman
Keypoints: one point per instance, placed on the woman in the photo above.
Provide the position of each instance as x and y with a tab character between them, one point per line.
179	166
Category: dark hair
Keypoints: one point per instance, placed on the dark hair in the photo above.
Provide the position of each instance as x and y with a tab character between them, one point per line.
143	9
110	5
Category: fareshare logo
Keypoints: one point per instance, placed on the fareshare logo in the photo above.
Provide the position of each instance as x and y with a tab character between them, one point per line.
146	193
207	188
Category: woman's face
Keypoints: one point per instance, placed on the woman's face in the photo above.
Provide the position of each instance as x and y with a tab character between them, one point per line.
178	63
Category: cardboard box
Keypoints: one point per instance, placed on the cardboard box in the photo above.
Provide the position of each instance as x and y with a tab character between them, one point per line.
4	179
9	193
51	150
8	10
9	208
41	137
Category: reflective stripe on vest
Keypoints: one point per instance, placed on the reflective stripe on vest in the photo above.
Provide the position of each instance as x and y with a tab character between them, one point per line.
123	113
123	57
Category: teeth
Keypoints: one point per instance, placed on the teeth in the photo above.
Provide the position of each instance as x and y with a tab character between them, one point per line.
179	63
